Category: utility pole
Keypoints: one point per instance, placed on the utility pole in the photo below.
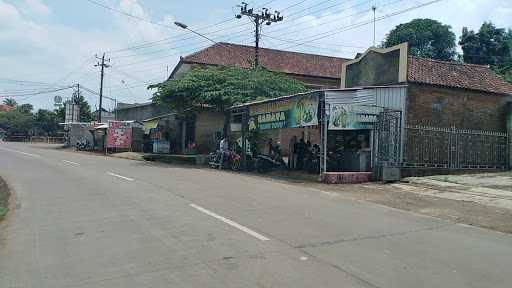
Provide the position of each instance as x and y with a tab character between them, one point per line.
103	66
258	18
374	8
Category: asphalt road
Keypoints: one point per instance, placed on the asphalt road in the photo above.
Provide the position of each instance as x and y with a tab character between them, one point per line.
90	221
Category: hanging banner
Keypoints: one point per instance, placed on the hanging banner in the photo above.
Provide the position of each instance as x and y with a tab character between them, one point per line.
119	134
351	117
298	111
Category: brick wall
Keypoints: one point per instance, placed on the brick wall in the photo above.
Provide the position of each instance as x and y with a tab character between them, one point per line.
448	107
207	123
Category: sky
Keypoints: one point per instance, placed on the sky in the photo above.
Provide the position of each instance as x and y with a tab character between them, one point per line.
47	44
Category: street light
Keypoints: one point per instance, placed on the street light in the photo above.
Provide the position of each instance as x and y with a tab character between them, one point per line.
185	26
181	25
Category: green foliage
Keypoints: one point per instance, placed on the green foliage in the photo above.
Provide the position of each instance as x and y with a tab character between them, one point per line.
85	110
222	87
10	102
47	122
22	121
25	108
17	121
426	37
4	199
489	46
256	138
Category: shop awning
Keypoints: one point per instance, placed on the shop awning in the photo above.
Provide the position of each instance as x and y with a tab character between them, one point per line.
150	124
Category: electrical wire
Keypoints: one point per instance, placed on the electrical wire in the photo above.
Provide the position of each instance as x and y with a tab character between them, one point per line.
130	15
359	24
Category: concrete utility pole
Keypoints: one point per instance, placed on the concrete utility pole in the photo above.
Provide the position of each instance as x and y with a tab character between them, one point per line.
259	18
374	8
103	66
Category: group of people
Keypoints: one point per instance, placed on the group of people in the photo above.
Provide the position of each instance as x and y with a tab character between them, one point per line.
299	152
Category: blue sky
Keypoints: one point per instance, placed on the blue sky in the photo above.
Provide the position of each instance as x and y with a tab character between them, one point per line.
55	41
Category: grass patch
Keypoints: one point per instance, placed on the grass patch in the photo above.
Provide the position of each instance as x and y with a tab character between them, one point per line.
4	199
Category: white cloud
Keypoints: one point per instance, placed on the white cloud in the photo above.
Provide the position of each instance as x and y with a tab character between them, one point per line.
42	50
37	6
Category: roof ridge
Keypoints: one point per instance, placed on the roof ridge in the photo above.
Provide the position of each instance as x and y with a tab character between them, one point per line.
282	51
449	62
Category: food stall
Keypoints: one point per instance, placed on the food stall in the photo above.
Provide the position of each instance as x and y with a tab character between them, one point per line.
342	129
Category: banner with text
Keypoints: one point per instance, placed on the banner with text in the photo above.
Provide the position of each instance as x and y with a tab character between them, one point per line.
351	117
298	111
119	134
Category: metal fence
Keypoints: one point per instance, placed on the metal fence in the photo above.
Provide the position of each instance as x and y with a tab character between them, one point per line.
450	148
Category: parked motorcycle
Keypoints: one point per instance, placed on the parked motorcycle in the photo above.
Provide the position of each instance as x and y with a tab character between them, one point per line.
265	163
83	145
312	161
231	160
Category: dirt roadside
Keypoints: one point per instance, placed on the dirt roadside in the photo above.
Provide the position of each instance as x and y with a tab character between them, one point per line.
465	212
403	198
4	199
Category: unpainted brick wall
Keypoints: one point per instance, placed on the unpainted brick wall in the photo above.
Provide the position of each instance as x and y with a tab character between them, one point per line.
207	123
451	107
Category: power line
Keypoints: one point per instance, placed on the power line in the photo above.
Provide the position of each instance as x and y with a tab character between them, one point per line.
38	93
130	15
363	23
295	21
293	5
337	19
142	45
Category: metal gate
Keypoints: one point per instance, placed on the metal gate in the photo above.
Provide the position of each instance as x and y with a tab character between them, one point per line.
387	141
451	148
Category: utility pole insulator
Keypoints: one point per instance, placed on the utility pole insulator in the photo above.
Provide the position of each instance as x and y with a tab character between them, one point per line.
258	18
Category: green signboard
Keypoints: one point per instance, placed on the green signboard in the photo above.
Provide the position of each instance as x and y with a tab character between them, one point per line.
350	116
298	111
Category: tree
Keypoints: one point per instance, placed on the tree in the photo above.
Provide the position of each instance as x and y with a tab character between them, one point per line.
85	110
25	108
17	121
426	37
46	121
10	102
221	88
489	46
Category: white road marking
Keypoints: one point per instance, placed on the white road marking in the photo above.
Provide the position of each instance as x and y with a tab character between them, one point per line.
71	162
20	152
230	222
119	176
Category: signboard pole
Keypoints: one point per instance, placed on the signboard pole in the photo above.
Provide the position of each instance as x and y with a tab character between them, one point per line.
325	129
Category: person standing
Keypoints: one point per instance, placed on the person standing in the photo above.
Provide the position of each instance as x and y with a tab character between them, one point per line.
301	150
292	156
224	149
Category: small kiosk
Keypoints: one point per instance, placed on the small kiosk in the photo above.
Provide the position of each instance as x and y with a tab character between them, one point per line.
356	131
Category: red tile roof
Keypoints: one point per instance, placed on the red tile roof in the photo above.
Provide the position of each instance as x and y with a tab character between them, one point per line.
5	108
458	75
228	54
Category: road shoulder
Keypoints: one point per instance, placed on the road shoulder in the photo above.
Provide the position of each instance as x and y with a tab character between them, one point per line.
4	199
